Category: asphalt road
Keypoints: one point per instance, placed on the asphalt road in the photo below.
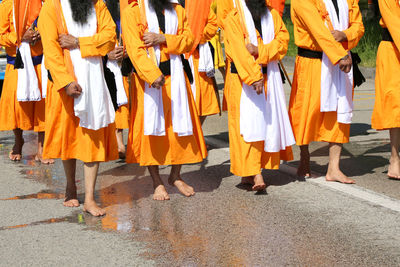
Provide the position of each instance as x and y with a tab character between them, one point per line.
297	222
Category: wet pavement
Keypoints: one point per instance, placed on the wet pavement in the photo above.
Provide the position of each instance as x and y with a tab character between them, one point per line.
296	222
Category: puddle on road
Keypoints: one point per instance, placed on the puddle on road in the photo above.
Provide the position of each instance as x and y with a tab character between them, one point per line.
180	232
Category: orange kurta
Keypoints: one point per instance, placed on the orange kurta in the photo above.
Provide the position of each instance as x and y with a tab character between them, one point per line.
386	113
64	138
169	149
14	114
206	99
247	159
308	122
278	5
122	114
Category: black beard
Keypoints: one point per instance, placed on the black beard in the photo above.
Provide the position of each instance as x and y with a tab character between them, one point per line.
81	10
160	5
257	8
113	7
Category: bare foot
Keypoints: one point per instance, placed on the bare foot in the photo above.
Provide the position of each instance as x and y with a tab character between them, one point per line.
14	157
43	161
71	203
338	176
304	168
247	180
184	188
160	193
16	152
92	208
121	154
394	169
259	184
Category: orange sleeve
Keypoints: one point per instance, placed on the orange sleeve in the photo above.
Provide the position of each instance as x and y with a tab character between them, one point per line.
308	15
8	36
211	28
276	49
390	12
181	42
54	57
133	32
356	27
223	9
104	40
248	69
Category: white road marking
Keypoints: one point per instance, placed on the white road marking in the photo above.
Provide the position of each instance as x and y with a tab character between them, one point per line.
352	190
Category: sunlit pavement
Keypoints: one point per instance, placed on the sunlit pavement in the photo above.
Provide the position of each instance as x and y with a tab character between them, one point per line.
296	222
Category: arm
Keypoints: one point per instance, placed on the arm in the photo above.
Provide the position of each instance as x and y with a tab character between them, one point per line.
133	37
223	9
210	30
54	55
391	19
356	27
182	42
307	13
8	37
276	49
104	40
248	69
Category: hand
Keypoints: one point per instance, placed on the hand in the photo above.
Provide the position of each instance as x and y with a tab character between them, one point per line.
339	36
259	86
116	54
68	41
73	90
30	36
345	64
159	83
253	50
153	39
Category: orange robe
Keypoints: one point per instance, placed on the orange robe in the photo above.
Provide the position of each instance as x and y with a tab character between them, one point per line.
206	100
386	113
247	159
308	122
64	138
14	114
169	149
278	5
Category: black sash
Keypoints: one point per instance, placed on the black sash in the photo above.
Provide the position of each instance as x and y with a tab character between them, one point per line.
234	70
386	36
357	75
302	52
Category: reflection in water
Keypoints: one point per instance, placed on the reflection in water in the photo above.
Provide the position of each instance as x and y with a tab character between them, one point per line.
40	195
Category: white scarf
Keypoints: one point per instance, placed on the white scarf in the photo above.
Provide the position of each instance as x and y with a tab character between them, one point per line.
206	60
122	98
154	121
206	64
28	83
94	106
337	86
265	118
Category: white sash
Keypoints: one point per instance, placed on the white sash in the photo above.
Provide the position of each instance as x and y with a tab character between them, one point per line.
337	86
154	121
94	106
206	60
265	118
28	83
122	98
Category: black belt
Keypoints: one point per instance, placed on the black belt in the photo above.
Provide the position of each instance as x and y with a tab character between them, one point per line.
234	70
165	68
386	36
127	68
308	53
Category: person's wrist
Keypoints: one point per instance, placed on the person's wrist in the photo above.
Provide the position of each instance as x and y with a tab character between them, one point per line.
77	42
345	57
